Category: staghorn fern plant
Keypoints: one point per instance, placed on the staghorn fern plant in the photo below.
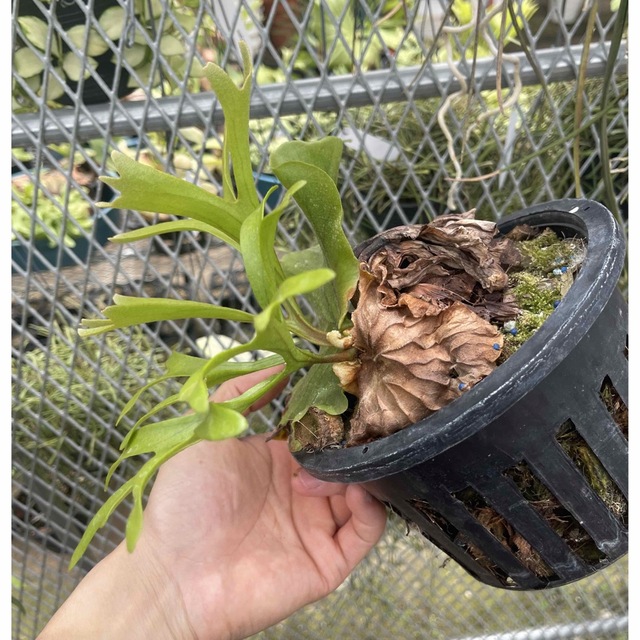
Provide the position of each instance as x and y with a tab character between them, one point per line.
327	272
408	326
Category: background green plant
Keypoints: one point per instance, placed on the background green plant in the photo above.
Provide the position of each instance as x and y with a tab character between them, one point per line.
67	435
163	31
540	139
50	222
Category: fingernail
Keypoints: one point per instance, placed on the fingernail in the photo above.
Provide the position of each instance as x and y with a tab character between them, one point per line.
308	482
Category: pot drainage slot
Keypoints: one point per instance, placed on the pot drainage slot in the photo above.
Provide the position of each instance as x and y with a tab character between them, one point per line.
436	519
504	532
549	508
615	406
461	540
593	471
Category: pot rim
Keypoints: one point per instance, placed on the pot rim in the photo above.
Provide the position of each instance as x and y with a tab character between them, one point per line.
491	397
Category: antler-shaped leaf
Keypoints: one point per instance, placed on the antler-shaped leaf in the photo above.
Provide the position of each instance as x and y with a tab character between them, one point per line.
129	310
309	172
164	440
317	164
164	193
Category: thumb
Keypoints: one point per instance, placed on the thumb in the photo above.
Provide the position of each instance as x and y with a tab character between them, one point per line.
305	484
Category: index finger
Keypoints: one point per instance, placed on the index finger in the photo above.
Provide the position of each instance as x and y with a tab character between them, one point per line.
237	386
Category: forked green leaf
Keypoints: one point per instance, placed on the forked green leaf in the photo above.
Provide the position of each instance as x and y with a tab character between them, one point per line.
235	102
167	402
164	193
156	437
100	519
294	286
165	442
319	199
257	240
129	311
162	436
175	226
136	396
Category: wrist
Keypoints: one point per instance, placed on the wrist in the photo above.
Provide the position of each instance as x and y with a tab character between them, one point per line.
128	596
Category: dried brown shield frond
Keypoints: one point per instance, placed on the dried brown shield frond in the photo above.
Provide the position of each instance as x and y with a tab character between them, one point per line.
423	325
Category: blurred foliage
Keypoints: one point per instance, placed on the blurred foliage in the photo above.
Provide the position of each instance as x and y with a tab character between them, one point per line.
70	395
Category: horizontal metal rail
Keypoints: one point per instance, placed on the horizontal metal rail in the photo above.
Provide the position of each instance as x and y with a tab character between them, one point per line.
306	95
594	629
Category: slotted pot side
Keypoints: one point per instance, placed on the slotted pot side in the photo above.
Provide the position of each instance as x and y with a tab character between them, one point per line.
445	470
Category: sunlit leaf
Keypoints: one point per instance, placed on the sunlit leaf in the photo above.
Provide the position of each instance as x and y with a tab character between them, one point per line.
96	45
113	21
36	31
318	388
135	54
164	193
55	88
75	67
319	199
129	310
27	63
171	46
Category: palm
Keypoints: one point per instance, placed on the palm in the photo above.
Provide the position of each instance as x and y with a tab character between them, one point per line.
231	509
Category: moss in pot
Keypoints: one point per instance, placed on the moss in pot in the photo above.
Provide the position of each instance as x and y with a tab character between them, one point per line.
524	479
468	254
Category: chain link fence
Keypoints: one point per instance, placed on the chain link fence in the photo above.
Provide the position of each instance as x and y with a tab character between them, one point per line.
443	106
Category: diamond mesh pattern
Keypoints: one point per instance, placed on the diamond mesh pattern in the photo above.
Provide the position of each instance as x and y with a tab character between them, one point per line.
426	132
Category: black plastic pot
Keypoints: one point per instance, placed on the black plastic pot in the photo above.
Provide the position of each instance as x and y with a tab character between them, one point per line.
433	472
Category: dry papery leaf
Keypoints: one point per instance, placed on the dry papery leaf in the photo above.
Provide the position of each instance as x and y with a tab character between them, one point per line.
429	297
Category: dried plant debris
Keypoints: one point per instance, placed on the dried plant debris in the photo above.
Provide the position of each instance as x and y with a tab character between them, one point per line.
593	470
561	521
504	532
615	406
545	503
438	307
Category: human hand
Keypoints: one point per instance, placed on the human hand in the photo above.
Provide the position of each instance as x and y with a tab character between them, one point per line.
236	537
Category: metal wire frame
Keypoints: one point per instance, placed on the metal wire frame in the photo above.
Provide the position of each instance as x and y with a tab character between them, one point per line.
440	602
